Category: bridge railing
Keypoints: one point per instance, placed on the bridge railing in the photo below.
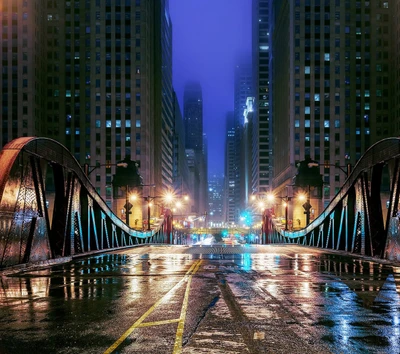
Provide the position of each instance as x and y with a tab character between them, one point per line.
49	208
363	216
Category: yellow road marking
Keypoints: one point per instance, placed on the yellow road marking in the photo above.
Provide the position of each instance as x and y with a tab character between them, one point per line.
181	324
149	311
158	323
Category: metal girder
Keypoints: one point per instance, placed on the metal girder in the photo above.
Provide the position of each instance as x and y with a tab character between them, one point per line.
354	220
49	208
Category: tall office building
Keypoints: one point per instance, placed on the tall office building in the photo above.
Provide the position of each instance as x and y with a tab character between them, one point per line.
331	85
261	178
193	115
165	95
95	76
242	90
246	153
215	200
23	68
194	135
395	65
180	163
231	210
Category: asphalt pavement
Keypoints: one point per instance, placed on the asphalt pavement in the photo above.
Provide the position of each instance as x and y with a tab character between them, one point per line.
204	299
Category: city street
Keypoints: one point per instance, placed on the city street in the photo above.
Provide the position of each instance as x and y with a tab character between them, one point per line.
204	299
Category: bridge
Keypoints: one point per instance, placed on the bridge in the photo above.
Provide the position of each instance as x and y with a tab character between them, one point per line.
49	210
76	279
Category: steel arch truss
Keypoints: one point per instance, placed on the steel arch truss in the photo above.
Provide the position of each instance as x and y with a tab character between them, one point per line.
49	209
363	218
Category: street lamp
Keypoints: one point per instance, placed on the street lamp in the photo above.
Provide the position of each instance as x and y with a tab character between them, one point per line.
128	206
307	206
262	202
174	202
286	199
168	199
149	204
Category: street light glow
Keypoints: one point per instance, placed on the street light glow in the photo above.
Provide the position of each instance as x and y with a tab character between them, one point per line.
270	197
169	197
302	197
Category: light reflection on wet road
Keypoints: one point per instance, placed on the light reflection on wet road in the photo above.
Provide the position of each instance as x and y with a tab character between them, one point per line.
265	299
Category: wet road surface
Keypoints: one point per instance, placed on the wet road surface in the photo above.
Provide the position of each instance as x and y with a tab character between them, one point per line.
210	299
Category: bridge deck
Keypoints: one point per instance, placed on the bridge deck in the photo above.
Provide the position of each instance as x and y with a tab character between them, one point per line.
179	299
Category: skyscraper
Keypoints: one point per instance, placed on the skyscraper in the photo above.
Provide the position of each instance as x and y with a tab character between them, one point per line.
95	76
23	89
331	85
194	135
216	195
242	90
230	206
395	65
193	116
181	174
262	157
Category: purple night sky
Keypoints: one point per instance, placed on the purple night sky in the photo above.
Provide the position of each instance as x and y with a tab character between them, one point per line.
207	37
